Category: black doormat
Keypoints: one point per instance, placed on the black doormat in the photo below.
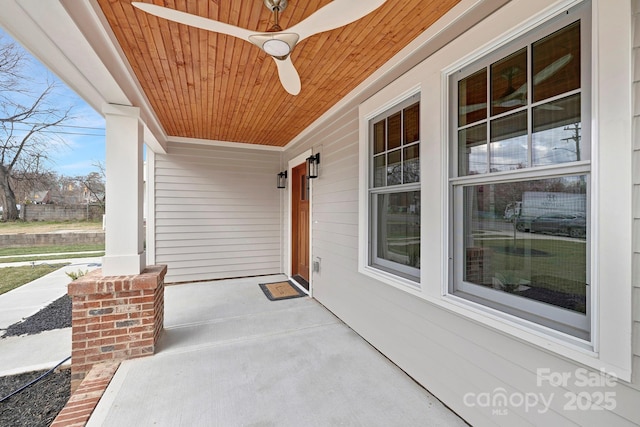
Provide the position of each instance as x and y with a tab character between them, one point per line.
281	290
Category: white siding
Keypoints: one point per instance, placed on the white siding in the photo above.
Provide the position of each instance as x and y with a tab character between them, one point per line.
217	212
449	354
635	7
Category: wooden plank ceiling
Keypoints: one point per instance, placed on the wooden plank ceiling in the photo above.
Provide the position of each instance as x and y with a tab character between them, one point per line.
216	87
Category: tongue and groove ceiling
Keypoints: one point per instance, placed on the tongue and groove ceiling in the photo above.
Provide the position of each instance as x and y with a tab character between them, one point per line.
211	86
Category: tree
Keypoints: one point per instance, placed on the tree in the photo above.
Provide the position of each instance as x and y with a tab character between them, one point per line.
94	184
25	116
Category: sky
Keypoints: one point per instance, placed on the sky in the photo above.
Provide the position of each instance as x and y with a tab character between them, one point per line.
83	135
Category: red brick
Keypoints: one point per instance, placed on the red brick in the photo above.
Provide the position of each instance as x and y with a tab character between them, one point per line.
114	317
78	345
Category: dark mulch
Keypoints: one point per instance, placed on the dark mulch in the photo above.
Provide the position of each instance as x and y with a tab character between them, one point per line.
56	315
40	403
561	299
37	405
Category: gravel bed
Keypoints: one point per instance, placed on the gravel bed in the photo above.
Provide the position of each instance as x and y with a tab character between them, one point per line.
56	315
40	403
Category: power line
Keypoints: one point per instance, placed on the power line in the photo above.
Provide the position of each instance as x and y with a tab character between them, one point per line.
68	133
61	125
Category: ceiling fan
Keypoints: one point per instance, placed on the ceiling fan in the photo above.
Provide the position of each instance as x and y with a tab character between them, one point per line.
517	97
275	42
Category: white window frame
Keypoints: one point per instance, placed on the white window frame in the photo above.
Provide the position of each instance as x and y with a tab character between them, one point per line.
611	177
561	322
610	348
411	273
394	274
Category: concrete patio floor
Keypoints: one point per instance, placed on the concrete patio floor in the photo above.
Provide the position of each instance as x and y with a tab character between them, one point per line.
230	357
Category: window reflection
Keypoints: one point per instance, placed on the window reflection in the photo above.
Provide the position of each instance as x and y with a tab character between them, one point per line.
394	168
379	171
411	164
509	83
528	239
472	150
399	228
411	124
378	137
472	98
394	131
509	142
556	63
556	132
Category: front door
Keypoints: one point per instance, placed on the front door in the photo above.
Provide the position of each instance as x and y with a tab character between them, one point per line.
300	225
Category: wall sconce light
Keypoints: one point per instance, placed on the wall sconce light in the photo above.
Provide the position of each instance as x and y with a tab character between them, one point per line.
312	165
282	179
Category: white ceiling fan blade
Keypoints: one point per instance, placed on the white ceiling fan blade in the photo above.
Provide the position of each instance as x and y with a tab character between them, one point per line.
288	75
336	14
193	20
541	76
551	69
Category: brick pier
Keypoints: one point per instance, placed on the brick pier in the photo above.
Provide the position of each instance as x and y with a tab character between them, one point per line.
115	318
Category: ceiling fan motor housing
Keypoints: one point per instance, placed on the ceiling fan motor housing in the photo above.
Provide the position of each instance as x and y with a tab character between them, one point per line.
272	5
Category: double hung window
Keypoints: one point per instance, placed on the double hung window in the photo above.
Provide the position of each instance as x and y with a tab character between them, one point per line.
394	190
520	179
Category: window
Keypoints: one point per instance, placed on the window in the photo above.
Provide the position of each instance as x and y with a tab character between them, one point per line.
520	179
394	190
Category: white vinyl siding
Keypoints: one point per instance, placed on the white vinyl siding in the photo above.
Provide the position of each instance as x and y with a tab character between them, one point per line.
448	352
635	4
217	212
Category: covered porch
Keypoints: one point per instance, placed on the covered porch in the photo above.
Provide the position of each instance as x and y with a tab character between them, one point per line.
230	357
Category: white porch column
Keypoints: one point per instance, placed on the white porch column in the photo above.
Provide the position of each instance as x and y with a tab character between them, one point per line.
124	235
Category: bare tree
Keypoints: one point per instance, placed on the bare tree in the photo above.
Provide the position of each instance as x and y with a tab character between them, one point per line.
25	117
94	184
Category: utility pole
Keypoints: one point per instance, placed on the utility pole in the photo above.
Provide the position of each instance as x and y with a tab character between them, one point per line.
575	138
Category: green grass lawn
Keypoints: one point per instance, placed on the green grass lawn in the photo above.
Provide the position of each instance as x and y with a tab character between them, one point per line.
49	257
14	277
27	250
35	227
60	250
556	264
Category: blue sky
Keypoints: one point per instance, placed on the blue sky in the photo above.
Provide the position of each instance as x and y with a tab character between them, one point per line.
83	135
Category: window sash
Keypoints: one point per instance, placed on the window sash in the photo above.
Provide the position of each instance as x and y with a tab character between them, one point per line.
406	250
406	179
558	319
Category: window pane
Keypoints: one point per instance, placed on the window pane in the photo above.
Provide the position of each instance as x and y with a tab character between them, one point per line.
394	168
528	239
411	164
472	98
509	83
379	171
556	132
472	150
378	137
556	63
394	132
509	142
398	228
412	124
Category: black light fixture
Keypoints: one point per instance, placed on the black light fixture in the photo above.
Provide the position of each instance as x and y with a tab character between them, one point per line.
312	165
282	179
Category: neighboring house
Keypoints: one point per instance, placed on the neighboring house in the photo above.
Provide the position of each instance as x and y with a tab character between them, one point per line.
407	241
40	197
